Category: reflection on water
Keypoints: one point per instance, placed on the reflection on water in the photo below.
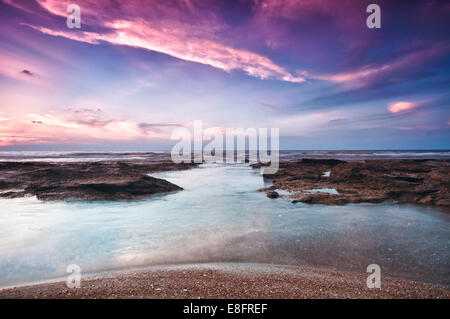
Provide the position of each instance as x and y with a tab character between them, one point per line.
220	216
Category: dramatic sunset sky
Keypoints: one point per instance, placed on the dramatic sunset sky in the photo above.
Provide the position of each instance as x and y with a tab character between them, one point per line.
138	69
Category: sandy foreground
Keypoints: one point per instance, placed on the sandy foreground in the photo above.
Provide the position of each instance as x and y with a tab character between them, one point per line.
229	280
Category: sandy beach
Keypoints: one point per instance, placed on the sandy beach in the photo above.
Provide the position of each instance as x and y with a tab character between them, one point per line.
229	280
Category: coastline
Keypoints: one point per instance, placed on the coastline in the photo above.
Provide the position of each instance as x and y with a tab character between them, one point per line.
228	280
329	181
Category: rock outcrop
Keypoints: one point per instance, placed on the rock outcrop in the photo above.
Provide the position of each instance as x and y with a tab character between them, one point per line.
114	180
423	182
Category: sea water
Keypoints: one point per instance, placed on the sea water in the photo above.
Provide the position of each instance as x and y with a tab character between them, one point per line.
220	216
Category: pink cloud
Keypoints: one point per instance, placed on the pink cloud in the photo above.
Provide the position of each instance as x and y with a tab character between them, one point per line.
183	46
170	33
72	126
401	106
18	5
364	75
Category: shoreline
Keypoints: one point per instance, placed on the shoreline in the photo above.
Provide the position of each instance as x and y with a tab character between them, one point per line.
349	178
227	280
330	181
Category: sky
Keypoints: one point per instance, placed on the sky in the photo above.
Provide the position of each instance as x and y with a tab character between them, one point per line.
136	70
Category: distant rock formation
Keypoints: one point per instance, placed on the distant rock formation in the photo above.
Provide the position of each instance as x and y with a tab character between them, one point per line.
112	180
423	182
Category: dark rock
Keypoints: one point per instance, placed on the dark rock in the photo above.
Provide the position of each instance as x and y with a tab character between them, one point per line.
331	162
424	182
144	187
112	180
12	194
272	194
259	165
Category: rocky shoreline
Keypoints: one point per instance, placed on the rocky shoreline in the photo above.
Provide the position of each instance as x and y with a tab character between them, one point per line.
103	180
336	182
313	181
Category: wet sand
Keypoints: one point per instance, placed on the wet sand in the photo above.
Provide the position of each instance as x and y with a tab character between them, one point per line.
229	280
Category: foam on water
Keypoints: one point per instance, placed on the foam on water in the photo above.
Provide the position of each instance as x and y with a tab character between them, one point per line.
71	156
331	191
